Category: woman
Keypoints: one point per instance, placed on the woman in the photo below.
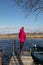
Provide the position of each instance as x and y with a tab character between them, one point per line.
22	38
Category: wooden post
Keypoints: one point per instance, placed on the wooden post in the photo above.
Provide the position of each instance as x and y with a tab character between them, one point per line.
14	47
30	50
0	57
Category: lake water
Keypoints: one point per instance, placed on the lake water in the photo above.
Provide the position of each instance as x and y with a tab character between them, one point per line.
7	47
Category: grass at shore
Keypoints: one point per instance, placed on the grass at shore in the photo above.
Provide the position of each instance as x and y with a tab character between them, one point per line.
14	36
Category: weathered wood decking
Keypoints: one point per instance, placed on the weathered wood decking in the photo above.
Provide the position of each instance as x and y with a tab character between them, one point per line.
24	60
21	60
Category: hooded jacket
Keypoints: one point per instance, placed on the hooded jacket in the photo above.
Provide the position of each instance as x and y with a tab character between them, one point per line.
22	35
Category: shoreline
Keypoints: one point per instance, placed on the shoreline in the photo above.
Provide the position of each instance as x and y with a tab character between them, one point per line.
14	36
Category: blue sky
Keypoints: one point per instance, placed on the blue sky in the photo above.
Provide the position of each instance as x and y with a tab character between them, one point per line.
13	17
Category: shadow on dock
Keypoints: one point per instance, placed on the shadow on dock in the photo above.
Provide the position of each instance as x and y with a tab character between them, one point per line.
19	59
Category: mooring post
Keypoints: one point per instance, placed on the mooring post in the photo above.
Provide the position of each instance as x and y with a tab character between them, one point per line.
30	50
1	57
14	47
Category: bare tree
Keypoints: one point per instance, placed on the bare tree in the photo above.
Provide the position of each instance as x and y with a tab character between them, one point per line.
30	5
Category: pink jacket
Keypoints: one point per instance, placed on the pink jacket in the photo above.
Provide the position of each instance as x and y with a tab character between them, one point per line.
22	35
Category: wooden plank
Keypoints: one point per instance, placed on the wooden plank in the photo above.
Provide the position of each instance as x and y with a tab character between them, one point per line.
24	60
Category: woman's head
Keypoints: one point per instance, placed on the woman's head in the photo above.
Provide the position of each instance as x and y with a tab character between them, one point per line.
22	28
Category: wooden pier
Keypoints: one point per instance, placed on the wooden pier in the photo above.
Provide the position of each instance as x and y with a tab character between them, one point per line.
17	59
21	60
24	60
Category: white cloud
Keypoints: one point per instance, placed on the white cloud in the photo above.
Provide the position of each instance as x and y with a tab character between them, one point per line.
12	29
34	29
7	29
